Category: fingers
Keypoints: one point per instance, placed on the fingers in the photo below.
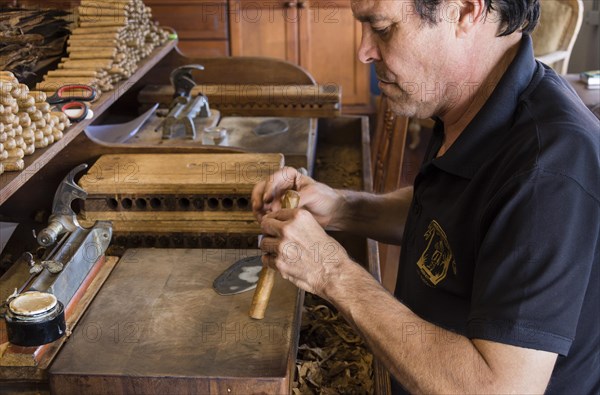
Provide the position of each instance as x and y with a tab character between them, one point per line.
266	195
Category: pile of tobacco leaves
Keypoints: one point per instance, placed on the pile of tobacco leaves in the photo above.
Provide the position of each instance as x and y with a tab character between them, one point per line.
29	36
332	358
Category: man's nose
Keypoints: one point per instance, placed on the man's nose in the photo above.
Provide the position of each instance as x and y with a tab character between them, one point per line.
368	52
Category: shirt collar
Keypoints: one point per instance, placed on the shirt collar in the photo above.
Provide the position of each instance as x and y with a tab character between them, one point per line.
484	133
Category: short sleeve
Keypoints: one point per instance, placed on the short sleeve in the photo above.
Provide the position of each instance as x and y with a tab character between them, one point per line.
540	237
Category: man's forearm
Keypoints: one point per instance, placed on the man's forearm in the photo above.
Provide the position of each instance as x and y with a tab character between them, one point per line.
380	217
424	357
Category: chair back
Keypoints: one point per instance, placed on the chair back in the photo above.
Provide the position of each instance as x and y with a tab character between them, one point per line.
555	35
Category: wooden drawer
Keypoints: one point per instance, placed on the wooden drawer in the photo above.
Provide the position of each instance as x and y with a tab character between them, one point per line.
193	20
203	48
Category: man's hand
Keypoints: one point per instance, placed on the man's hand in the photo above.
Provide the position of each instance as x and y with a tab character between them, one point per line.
320	200
298	247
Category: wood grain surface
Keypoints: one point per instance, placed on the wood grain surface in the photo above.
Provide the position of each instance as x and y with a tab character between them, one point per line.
157	326
179	173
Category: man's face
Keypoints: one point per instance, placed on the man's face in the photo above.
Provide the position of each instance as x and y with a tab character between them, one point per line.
412	59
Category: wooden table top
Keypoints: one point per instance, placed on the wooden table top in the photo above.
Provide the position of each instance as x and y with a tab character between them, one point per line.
157	324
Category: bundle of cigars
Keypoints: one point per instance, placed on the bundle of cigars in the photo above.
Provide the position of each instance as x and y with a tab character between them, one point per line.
110	39
26	122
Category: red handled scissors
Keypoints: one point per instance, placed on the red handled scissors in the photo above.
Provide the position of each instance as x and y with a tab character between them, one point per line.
73	97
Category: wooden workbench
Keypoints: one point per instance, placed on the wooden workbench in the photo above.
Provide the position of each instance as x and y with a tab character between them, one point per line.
157	326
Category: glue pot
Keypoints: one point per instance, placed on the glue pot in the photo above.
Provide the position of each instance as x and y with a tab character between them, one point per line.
34	318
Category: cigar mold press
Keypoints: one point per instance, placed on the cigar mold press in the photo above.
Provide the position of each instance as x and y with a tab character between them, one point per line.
183	118
35	313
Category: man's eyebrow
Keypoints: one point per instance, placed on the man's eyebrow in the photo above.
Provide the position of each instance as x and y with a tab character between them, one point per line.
371	18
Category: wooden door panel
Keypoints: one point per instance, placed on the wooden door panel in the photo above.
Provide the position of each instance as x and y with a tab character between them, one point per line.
330	38
264	29
203	48
201	20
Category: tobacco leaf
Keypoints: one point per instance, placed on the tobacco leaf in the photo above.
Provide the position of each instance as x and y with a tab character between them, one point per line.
332	358
30	37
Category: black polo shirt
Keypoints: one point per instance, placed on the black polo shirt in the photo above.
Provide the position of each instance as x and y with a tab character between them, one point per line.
502	240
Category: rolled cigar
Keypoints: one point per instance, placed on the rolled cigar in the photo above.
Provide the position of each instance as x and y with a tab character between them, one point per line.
7	118
28	133
7	101
24	88
38	96
30	149
27	102
10	144
13	164
37	115
98	52
16	91
16	153
43	107
94	30
102	23
86	64
91	3
97	12
60	115
43	143
40	123
72	73
91	43
57	82
90	55
25	119
111	35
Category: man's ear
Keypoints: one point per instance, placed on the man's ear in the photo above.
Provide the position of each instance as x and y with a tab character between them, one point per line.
467	14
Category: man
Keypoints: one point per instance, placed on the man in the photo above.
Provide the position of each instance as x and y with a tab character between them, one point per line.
498	285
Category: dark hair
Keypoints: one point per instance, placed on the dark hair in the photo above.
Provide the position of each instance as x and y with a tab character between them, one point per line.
515	15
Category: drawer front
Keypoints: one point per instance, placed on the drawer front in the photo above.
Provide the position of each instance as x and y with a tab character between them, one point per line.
204	48
193	20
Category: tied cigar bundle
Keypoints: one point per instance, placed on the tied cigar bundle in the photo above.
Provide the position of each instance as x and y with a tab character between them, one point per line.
109	41
26	122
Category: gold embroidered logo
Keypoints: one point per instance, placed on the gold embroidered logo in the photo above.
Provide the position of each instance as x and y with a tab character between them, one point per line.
437	257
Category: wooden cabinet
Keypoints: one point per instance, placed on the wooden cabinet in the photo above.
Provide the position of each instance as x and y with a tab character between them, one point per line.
320	36
201	25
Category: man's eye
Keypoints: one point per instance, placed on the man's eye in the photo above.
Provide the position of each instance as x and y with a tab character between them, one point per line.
381	31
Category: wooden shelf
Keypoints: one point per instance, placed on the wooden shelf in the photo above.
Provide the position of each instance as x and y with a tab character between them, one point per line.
12	181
